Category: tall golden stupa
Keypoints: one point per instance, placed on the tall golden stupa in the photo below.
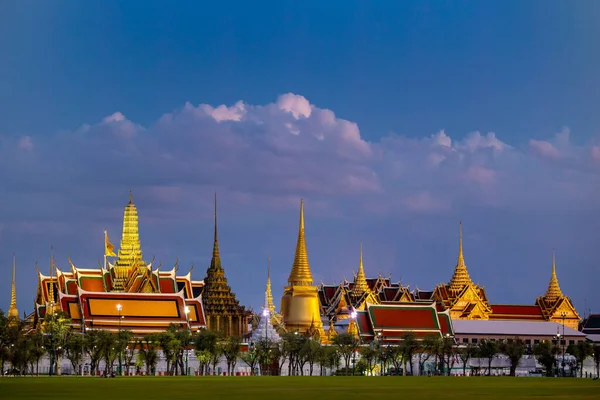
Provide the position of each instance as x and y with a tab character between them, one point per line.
13	312
300	302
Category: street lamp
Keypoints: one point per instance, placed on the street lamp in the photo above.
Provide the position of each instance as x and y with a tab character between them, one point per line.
119	307
187	356
353	317
51	339
563	342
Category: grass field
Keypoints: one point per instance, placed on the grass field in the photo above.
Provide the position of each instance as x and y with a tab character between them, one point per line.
289	388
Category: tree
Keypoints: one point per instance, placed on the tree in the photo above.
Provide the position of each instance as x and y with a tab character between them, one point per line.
514	350
466	353
148	352
581	350
396	357
208	341
37	350
409	346
231	351
251	357
328	358
545	352
596	356
346	345
56	326
488	349
309	353
426	350
369	354
93	346
74	348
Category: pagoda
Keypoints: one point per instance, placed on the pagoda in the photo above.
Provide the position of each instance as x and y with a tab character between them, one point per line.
127	293
461	296
224	313
300	301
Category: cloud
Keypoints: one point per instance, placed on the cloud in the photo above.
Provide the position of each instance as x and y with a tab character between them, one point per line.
291	149
25	143
64	188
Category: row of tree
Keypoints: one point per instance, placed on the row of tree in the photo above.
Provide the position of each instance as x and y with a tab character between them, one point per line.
23	351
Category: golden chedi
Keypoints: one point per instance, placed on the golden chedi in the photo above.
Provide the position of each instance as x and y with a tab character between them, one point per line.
300	302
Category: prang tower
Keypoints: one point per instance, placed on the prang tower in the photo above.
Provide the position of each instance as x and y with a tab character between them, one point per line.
300	302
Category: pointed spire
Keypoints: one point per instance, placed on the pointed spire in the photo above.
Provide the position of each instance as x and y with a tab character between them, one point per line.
360	280
553	293
130	249
301	275
268	295
216	256
51	288
461	277
13	313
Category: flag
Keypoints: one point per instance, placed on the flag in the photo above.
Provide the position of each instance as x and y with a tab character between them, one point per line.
109	248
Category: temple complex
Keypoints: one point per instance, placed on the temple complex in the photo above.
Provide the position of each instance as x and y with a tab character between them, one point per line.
127	293
461	298
223	311
300	302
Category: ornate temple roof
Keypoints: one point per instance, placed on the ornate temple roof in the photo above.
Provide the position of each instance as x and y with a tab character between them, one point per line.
301	274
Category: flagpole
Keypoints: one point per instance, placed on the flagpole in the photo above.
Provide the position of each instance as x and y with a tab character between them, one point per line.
105	242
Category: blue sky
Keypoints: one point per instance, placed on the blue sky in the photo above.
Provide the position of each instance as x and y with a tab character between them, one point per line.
396	76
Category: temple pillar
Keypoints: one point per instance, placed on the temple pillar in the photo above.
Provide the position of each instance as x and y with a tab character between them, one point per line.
230	328
218	323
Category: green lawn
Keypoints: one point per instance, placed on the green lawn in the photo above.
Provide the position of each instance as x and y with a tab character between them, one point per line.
289	388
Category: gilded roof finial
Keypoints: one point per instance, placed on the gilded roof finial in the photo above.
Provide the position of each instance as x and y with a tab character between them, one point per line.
216	241
461	277
130	196
360	280
301	275
130	249
268	294
51	286
13	313
553	293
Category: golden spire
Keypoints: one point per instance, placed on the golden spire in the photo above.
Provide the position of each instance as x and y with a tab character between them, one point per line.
130	247
461	277
301	275
268	295
51	286
13	313
216	257
553	293
360	281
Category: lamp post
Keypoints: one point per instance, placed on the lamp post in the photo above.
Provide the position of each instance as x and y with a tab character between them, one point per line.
51	339
187	356
119	307
265	314
563	342
353	317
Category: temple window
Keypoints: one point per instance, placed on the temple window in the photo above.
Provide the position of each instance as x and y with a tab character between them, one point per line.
571	342
528	341
536	341
563	342
465	340
474	340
